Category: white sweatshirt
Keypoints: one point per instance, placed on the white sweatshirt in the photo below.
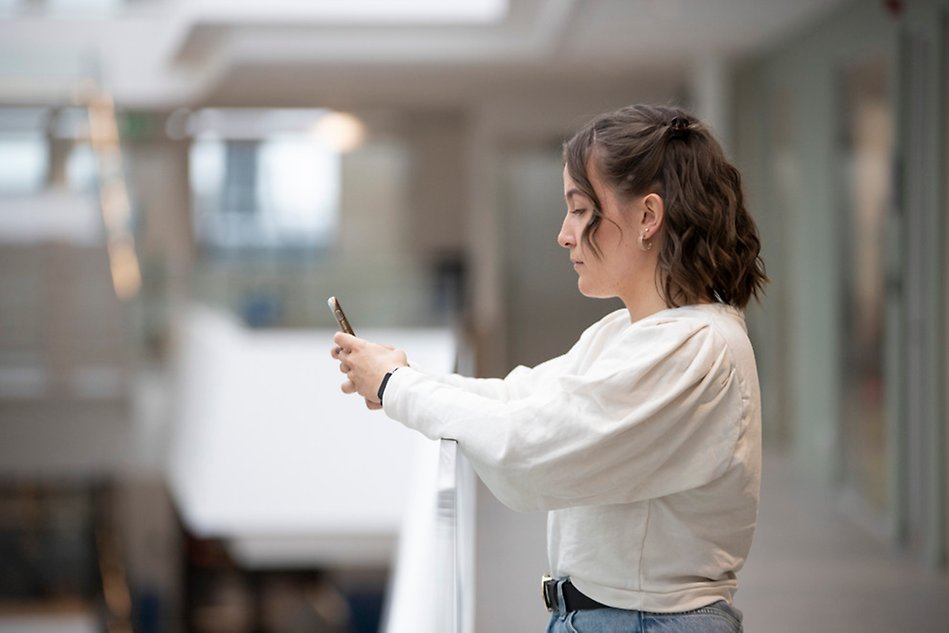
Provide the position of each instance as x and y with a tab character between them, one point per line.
643	441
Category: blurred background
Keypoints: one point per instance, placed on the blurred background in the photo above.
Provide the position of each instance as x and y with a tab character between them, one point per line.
184	183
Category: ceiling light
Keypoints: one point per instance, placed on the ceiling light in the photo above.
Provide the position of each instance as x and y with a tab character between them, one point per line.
340	131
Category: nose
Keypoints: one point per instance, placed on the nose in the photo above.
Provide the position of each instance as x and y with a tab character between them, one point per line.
566	237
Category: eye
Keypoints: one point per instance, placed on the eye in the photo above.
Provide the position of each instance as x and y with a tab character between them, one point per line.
578	212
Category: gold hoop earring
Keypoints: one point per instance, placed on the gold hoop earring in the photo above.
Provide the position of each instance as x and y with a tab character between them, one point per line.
644	245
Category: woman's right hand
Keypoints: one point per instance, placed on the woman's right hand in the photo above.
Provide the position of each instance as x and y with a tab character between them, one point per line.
365	364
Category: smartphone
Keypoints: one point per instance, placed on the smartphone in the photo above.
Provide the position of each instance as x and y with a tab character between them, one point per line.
340	316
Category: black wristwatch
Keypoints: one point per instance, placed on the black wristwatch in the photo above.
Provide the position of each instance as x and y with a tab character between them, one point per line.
385	381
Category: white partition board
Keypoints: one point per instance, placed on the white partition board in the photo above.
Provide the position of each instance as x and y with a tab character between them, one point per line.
270	454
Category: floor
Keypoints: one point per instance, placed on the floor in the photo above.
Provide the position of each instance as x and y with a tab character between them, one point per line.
812	568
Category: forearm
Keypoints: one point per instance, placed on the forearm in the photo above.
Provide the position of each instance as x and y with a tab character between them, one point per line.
492	388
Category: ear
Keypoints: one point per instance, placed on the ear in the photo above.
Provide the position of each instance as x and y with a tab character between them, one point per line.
653	213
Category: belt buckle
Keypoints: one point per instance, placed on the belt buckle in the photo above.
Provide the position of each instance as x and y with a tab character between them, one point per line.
548	589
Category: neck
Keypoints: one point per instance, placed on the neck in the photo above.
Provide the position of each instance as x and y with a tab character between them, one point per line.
643	307
644	300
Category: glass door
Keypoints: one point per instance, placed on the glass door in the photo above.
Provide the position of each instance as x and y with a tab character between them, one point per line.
866	151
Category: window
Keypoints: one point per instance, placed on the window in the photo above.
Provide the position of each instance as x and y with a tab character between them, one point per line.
260	179
81	168
24	151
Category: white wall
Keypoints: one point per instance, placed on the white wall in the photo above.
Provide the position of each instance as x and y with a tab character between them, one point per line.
267	452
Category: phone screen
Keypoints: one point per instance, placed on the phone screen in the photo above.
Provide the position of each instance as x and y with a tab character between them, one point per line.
340	316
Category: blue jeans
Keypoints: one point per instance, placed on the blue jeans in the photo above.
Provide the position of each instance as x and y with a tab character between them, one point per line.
719	617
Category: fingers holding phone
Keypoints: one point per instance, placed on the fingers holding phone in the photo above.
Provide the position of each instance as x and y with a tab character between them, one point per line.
365	364
349	386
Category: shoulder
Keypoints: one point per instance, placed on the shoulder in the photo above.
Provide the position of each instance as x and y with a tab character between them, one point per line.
689	334
714	320
707	330
663	333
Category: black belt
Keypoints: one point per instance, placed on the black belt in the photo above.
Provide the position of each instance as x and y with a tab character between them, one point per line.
573	600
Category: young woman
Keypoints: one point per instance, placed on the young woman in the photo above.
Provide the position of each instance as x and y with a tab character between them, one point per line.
643	441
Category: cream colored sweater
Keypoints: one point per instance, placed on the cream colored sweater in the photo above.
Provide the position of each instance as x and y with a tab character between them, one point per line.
643	443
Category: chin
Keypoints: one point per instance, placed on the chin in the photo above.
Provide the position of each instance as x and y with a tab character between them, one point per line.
587	291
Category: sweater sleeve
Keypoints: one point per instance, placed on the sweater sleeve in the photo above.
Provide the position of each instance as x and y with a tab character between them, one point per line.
519	382
658	412
502	389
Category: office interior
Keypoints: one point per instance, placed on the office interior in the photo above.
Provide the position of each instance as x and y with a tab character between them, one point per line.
184	183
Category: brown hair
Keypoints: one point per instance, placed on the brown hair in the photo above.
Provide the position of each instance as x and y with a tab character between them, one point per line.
710	245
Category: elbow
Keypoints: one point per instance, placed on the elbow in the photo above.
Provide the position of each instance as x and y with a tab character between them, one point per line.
518	489
519	501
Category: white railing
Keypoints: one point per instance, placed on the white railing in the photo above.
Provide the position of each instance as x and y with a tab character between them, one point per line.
432	587
456	511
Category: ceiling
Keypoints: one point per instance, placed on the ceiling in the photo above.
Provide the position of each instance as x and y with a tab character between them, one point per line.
165	53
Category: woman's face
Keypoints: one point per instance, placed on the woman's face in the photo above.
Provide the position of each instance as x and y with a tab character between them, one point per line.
622	266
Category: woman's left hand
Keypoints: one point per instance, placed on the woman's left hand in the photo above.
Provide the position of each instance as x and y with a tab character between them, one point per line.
365	365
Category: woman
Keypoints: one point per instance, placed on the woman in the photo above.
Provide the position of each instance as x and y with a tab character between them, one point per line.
643	441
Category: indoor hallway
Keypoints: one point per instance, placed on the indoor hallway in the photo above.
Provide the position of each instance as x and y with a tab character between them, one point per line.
814	568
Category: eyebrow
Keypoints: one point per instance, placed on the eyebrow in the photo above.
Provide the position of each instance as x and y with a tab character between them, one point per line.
573	192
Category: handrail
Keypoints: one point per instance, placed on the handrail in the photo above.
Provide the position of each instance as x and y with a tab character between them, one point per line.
456	507
114	196
432	586
455	539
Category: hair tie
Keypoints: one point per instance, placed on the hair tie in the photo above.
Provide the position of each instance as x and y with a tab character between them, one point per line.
678	127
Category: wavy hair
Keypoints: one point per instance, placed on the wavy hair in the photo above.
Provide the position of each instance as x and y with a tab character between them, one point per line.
710	249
